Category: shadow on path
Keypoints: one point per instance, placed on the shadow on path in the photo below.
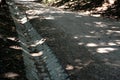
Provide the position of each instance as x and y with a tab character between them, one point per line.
87	47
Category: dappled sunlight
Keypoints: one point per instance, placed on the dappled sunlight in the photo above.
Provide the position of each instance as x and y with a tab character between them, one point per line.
60	12
86	13
23	20
113	31
104	44
118	42
91	45
11	75
35	12
77	39
96	15
80	43
86	36
34	4
69	67
33	17
37	54
103	8
50	17
12	38
92	32
112	44
100	24
106	50
38	42
89	36
15	47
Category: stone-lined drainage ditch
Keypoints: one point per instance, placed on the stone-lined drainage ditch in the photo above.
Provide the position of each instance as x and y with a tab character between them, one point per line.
39	60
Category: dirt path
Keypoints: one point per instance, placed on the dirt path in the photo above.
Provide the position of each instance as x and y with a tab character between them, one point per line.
88	47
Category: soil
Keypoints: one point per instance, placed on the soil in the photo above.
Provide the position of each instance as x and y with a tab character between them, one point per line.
11	61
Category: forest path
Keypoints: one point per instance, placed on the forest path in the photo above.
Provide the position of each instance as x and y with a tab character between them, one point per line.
87	47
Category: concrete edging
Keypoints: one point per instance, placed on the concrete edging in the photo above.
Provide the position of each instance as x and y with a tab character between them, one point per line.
39	60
